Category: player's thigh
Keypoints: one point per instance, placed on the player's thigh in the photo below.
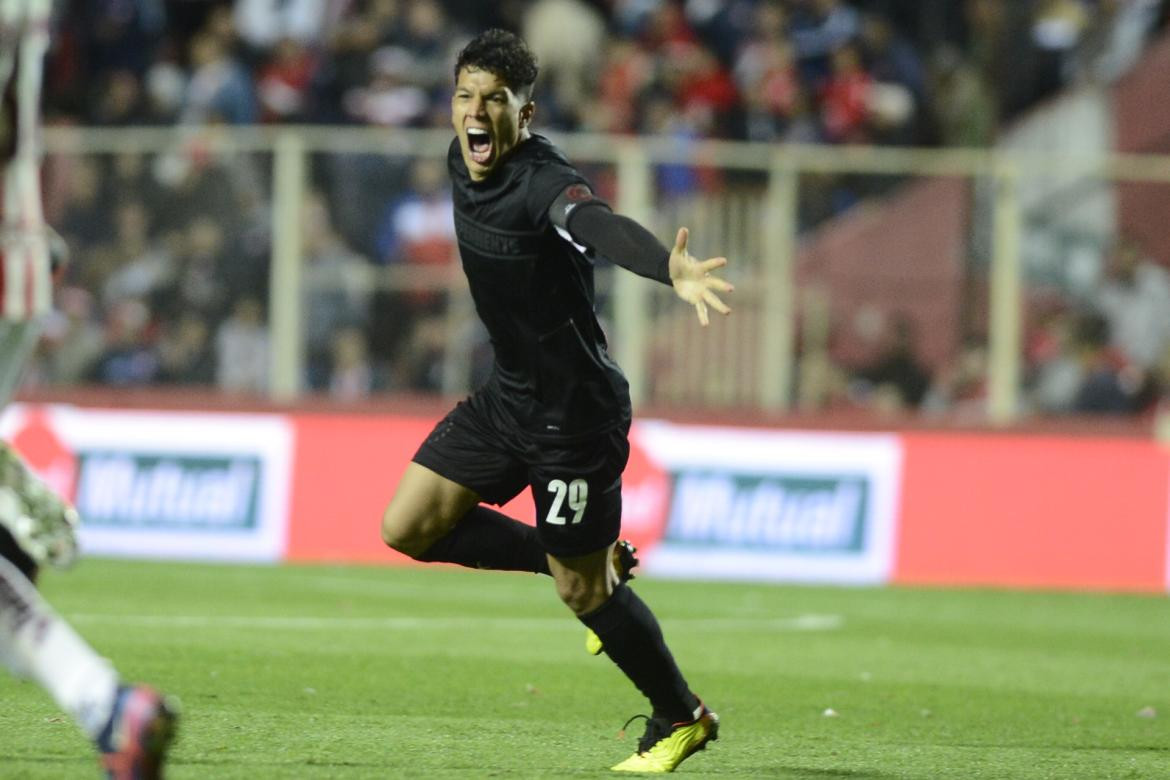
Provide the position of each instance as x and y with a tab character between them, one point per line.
463	461
577	490
424	508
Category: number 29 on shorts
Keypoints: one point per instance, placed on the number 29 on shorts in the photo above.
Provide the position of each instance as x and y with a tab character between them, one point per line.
574	493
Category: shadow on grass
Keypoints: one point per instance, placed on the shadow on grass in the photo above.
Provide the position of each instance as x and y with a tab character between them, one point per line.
814	773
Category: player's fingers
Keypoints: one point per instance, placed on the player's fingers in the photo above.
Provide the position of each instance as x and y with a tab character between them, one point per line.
713	300
702	309
714	282
680	240
710	265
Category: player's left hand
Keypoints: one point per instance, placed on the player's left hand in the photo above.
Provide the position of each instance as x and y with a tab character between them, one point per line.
693	281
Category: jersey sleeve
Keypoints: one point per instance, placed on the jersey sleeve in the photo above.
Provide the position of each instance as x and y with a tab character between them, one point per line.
548	181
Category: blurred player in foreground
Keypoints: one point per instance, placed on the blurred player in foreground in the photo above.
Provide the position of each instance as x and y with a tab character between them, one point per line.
556	411
131	725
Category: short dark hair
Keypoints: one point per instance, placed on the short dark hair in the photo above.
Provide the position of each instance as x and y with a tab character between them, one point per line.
503	53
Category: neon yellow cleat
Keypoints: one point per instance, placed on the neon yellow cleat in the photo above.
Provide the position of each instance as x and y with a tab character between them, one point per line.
666	745
624	560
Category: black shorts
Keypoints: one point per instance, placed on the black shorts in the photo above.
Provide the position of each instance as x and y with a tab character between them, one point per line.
576	486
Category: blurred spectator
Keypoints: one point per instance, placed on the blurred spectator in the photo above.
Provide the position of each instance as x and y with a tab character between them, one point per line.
128	359
85	216
220	88
348	48
899	91
139	267
765	72
1055	369
1135	300
283	82
241	347
165	87
118	34
724	24
120	101
568	39
392	97
959	386
707	93
432	38
819	28
1106	386
891	58
263	23
896	378
419	366
845	98
964	109
1057	29
352	376
337	289
184	351
661	117
1001	46
199	283
73	341
626	71
419	227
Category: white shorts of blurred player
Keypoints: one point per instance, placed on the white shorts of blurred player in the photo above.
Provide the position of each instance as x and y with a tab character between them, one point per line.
17	342
25	268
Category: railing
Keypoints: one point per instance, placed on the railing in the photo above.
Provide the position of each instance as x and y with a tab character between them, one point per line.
750	360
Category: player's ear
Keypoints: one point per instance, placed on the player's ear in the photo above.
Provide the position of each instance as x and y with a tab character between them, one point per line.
526	113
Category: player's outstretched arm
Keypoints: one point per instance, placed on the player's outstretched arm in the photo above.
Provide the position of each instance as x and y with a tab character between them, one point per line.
589	221
693	281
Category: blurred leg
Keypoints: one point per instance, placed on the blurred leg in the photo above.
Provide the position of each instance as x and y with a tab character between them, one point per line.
37	643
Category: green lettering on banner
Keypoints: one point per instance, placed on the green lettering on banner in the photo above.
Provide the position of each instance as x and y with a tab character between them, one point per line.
180	492
780	513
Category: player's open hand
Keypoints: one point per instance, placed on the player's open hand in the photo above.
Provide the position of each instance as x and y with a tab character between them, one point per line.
693	281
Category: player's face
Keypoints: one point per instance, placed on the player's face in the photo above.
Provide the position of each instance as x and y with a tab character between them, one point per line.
489	118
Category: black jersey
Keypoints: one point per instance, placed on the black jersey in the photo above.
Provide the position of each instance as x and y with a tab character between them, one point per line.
533	289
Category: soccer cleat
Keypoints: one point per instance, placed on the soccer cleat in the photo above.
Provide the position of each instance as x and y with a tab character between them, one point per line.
134	743
625	558
665	745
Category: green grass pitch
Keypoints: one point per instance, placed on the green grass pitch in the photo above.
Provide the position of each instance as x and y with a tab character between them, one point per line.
351	672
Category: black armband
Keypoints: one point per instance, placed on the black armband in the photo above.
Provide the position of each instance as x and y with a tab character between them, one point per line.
590	222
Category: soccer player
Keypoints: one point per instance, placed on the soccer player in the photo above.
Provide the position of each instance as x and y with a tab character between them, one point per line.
131	725
556	410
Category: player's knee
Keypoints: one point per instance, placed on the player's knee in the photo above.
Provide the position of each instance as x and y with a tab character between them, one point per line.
582	594
398	533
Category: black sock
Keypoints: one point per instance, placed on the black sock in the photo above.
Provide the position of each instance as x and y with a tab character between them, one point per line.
631	637
486	539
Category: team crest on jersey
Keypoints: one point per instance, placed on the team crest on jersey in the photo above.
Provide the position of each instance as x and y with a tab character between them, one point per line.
579	193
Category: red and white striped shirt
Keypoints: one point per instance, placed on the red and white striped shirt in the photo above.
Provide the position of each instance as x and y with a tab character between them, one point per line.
25	273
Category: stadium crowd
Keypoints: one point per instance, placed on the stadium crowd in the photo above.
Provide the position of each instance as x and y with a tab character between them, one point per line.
170	283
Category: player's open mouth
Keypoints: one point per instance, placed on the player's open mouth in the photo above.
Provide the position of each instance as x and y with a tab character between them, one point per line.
479	143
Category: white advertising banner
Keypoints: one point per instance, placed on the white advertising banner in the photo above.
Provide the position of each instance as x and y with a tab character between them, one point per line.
775	505
190	485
